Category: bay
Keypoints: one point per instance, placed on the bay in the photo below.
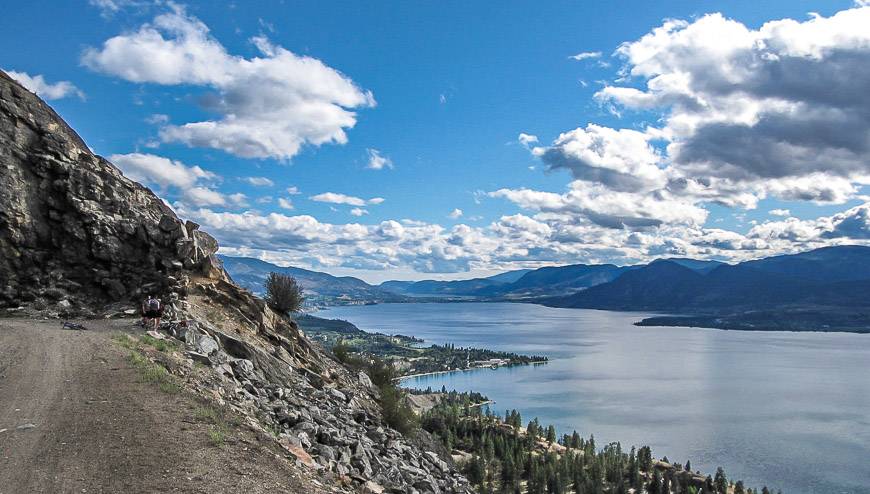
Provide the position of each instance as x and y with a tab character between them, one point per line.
786	410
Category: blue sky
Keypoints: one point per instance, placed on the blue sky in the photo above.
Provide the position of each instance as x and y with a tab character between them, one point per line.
442	93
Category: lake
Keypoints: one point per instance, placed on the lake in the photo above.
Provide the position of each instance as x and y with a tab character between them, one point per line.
789	410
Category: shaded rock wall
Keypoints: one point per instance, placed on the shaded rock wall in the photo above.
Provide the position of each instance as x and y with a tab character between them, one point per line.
72	226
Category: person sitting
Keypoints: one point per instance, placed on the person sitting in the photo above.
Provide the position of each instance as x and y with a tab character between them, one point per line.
152	311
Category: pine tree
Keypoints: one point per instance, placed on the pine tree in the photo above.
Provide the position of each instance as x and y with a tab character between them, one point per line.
551	434
655	486
476	471
720	481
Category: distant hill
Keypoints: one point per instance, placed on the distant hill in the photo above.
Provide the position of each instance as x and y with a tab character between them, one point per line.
510	276
831	280
522	283
251	273
460	288
701	266
814	290
660	284
556	280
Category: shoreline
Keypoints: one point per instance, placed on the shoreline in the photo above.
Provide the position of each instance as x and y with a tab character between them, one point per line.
435	373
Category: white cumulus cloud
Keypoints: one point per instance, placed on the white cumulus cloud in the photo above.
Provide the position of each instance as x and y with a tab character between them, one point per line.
584	55
259	181
203	196
377	161
270	105
620	159
44	89
774	108
336	198
164	172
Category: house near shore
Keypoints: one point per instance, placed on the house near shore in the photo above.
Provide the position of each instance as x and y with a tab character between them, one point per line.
493	362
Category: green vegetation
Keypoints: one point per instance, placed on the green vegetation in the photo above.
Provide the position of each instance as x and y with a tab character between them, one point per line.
283	294
219	430
153	373
219	420
209	414
160	345
396	412
504	457
810	318
149	371
124	341
405	353
217	436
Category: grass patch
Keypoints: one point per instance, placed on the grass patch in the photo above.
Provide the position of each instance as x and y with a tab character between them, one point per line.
209	414
159	345
273	429
220	421
217	435
169	387
124	341
153	373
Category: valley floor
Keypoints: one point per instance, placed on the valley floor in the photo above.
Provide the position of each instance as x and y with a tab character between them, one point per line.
75	416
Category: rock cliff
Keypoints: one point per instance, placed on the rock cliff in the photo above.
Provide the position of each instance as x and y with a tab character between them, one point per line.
72	227
75	233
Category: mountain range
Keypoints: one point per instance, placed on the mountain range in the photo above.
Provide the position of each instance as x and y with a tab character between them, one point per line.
831	276
319	287
827	287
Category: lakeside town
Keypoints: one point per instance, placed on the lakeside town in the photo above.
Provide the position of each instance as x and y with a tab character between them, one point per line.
408	355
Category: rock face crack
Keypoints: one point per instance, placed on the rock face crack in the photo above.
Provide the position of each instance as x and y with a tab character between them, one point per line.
72	227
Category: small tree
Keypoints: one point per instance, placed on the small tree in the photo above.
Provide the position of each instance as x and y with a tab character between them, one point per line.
551	434
283	294
720	481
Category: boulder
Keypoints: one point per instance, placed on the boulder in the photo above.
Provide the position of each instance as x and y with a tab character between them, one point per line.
201	343
371	487
298	453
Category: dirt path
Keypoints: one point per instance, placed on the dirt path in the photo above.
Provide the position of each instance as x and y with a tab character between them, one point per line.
97	428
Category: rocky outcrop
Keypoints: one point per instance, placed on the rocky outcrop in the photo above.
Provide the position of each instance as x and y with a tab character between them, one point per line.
325	417
72	227
75	233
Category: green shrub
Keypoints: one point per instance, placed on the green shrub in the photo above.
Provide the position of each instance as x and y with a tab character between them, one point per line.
397	413
217	435
208	414
381	372
341	351
220	420
283	294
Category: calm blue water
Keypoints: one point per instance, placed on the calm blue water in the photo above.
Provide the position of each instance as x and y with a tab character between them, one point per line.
789	410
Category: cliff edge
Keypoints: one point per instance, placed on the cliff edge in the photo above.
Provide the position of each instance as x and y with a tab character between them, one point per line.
73	228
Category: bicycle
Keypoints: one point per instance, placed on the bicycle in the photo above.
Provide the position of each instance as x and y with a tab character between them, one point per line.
73	326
